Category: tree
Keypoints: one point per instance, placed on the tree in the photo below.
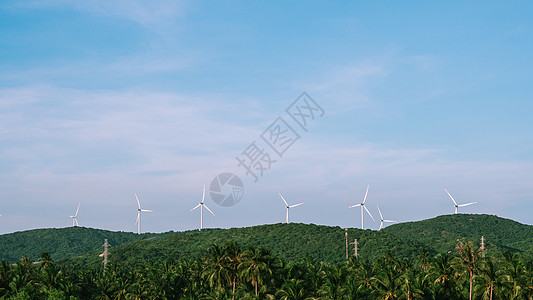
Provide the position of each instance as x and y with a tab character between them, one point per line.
468	261
255	266
442	273
489	276
294	289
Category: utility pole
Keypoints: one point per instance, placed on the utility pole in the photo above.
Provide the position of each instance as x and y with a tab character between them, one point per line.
106	252
355	248
346	234
482	248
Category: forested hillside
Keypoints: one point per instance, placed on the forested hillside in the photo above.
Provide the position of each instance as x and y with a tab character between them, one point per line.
291	242
443	232
61	243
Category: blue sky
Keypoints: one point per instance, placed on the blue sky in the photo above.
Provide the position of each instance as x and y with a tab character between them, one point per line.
103	99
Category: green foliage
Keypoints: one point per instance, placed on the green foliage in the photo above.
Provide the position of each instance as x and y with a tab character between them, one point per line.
62	243
292	242
442	233
236	272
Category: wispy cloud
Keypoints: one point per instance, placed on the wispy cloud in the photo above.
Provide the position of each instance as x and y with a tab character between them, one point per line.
146	13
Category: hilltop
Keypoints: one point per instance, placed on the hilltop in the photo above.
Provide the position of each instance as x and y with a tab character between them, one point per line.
291	242
443	232
62	243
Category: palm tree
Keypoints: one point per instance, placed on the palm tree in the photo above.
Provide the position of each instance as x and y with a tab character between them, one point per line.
361	273
514	275
217	273
423	260
335	278
293	289
442	273
256	265
490	276
386	283
411	283
468	261
45	259
233	253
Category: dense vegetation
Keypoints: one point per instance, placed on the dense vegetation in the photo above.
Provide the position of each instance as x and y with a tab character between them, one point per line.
230	271
303	261
62	243
291	242
442	233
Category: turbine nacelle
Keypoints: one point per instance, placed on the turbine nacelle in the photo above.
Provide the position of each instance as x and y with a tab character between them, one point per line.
139	210
202	205
287	206
455	205
382	221
75	217
363	208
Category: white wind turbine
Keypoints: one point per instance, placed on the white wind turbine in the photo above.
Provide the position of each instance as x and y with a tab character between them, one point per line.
139	210
75	216
455	203
202	205
383	221
288	206
363	207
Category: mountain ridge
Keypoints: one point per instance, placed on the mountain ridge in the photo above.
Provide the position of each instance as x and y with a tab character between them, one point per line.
292	242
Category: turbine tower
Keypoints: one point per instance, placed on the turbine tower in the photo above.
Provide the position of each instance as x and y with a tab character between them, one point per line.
75	216
139	210
288	206
455	203
202	205
383	221
363	207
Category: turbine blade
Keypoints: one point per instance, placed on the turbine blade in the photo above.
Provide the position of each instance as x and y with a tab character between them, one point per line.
380	215
354	205
369	213
450	197
203	194
381	225
467	204
77	222
209	210
390	221
366	193
147	210
138	217
283	199
77	210
138	203
296	205
195	207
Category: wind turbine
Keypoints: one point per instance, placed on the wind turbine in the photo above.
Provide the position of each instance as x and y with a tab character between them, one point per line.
455	203
288	206
75	216
139	210
363	207
383	221
202	205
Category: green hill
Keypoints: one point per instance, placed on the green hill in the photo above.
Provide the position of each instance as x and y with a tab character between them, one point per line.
61	243
443	232
291	242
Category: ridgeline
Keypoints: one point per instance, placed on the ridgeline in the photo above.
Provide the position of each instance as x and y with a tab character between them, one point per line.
291	242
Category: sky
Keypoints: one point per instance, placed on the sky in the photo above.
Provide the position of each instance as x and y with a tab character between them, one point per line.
103	99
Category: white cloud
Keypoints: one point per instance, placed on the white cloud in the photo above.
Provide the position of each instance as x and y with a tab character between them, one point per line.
147	13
